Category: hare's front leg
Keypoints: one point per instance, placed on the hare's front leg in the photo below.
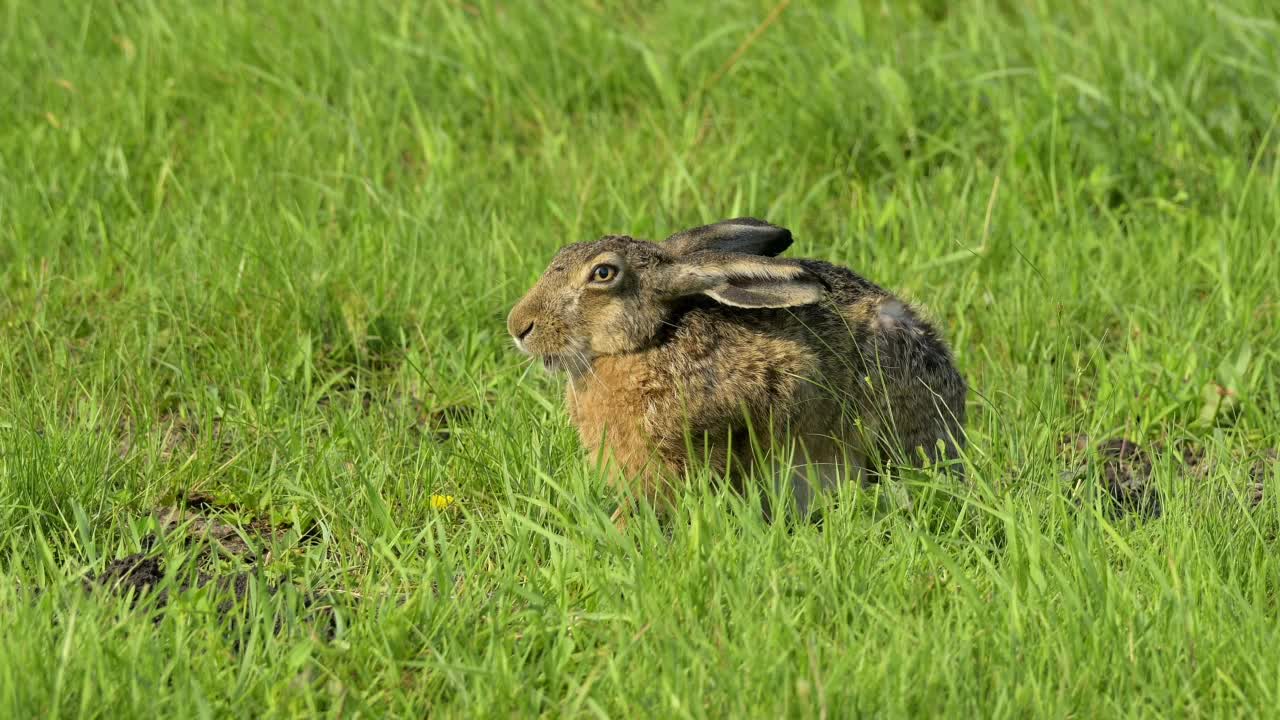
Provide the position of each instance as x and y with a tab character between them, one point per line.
639	475
652	486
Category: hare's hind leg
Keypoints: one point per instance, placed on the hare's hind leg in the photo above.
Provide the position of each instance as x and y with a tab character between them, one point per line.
820	465
938	444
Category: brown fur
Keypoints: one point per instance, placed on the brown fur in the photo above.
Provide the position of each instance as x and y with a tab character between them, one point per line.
659	365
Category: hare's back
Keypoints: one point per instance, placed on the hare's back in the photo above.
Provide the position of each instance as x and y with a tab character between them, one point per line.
844	285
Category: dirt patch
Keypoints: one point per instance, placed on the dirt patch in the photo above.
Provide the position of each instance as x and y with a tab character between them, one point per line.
1124	468
1257	465
138	572
1126	471
201	501
202	518
229	538
1260	472
199	520
1195	463
141	574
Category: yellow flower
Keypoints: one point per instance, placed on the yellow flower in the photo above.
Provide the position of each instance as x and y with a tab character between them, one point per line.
440	502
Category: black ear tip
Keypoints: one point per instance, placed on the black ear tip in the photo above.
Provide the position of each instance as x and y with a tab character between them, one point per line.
749	235
773	239
780	241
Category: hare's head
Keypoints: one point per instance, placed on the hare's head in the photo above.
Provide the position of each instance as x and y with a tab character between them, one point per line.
612	296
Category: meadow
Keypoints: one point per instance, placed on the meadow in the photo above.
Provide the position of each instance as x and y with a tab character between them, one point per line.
255	261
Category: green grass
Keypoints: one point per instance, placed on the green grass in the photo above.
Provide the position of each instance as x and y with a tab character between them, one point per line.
254	249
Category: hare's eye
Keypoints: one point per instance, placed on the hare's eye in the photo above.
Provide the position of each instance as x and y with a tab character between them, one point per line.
604	273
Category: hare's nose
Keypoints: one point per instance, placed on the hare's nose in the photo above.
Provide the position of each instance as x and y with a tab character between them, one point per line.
520	321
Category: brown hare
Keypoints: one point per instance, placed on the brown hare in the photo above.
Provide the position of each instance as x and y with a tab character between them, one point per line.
706	348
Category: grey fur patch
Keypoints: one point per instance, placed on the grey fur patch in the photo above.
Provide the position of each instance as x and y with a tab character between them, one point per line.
893	315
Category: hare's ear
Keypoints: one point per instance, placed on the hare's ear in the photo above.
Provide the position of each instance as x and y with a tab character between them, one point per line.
745	281
739	235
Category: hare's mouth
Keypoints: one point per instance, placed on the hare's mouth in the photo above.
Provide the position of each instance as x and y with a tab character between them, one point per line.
573	362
